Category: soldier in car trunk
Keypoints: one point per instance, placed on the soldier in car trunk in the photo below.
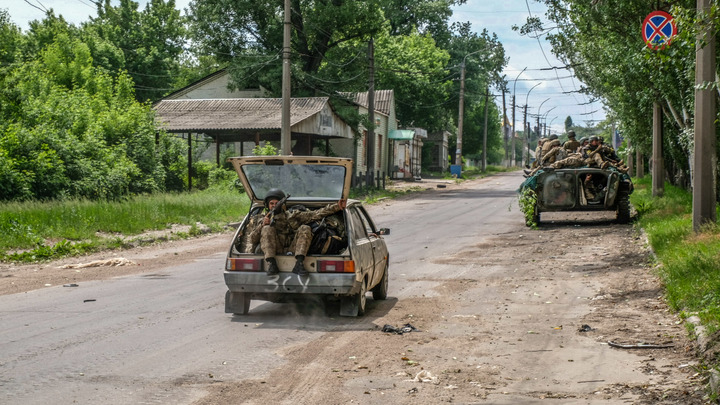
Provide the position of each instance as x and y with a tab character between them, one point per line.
287	231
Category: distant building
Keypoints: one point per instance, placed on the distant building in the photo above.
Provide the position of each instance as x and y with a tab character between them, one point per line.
406	146
246	118
438	143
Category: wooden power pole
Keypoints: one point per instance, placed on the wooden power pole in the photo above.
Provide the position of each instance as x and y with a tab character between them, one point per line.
658	165
285	120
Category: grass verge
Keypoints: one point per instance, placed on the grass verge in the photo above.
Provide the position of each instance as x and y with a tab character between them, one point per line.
689	261
34	231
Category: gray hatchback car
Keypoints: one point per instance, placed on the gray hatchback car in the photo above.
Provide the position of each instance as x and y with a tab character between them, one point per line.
357	266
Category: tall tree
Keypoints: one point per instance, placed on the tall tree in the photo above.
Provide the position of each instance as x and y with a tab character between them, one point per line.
601	40
152	42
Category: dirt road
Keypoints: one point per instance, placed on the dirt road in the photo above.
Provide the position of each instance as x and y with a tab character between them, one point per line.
505	317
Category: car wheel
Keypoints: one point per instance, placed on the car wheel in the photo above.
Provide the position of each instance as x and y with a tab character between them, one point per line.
237	303
623	208
380	291
354	305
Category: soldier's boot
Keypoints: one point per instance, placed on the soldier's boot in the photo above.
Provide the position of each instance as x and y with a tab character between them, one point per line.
527	171
299	268
272	267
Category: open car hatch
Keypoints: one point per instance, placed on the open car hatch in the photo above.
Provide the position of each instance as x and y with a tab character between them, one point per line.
306	178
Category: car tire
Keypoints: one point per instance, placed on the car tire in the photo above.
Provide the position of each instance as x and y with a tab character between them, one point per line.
379	292
623	208
354	305
237	303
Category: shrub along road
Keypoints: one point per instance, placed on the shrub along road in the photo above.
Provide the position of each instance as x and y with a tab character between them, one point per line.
504	314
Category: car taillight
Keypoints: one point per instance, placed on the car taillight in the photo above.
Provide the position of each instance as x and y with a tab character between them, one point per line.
233	264
336	266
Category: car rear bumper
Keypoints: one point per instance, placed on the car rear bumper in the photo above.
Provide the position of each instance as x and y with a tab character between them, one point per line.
290	283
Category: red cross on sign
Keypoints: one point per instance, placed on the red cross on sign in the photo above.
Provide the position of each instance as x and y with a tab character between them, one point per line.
658	30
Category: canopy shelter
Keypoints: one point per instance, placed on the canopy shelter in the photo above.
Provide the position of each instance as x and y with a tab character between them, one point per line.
407	152
252	120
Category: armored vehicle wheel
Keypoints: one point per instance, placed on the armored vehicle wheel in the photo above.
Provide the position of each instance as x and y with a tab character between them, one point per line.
237	303
380	291
623	208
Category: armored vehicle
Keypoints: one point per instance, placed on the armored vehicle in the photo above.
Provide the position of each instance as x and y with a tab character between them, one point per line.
576	189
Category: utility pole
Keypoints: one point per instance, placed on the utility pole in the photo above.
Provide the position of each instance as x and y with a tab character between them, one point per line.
526	144
705	157
484	152
285	137
512	141
505	129
458	151
658	166
371	109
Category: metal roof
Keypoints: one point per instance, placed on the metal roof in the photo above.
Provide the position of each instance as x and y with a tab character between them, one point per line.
383	100
206	115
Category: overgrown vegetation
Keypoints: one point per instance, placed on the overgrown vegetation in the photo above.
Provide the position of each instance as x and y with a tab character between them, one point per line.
527	201
34	231
689	262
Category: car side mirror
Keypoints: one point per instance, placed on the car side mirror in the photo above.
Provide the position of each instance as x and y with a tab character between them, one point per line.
384	231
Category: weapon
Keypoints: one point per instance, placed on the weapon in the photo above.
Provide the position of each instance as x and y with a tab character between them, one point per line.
278	208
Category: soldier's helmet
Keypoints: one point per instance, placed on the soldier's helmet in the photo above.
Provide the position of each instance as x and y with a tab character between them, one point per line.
571	134
593	138
552	137
601	139
273	194
583	139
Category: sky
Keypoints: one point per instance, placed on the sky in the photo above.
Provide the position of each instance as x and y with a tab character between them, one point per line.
553	94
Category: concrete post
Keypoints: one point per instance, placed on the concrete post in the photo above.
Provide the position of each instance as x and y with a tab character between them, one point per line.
705	162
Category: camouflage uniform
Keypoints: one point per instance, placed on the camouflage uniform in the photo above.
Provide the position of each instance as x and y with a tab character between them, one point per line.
573	160
289	232
571	145
592	156
550	155
549	144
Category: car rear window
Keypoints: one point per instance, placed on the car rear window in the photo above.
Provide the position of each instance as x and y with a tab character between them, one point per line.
307	182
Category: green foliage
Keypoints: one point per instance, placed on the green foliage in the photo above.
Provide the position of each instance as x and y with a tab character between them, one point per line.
602	42
527	202
689	260
150	43
27	230
72	130
267	149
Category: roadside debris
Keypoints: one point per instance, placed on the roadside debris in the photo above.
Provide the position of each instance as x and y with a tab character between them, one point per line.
70	285
90	300
585	328
117	261
640	346
425	376
407	328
